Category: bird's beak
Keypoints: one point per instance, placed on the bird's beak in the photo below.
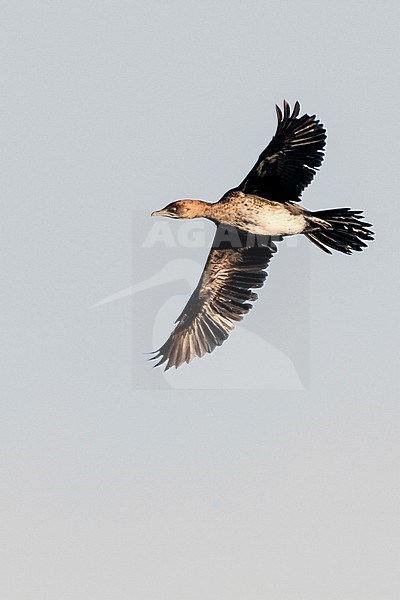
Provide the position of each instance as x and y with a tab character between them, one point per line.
161	213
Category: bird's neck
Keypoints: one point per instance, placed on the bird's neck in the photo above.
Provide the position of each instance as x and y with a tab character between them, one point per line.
200	208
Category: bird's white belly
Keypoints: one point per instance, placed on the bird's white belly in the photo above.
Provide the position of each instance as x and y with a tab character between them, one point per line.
276	221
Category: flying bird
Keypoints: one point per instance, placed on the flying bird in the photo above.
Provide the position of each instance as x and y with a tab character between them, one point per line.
250	218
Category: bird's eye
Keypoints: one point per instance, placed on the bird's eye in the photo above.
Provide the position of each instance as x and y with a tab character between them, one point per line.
173	209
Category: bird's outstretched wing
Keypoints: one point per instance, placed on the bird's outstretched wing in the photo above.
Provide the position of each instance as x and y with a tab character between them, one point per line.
236	265
289	163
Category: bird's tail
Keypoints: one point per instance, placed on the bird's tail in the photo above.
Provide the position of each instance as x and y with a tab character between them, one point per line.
342	229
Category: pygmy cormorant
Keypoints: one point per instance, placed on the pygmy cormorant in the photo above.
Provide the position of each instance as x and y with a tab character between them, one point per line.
249	217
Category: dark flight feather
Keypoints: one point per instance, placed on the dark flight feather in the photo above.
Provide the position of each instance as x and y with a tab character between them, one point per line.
222	297
289	163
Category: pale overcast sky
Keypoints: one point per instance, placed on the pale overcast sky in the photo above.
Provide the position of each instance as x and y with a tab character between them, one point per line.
281	482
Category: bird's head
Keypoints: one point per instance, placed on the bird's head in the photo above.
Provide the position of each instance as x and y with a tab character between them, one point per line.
182	209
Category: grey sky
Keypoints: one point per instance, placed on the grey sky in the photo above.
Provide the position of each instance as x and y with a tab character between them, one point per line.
111	110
